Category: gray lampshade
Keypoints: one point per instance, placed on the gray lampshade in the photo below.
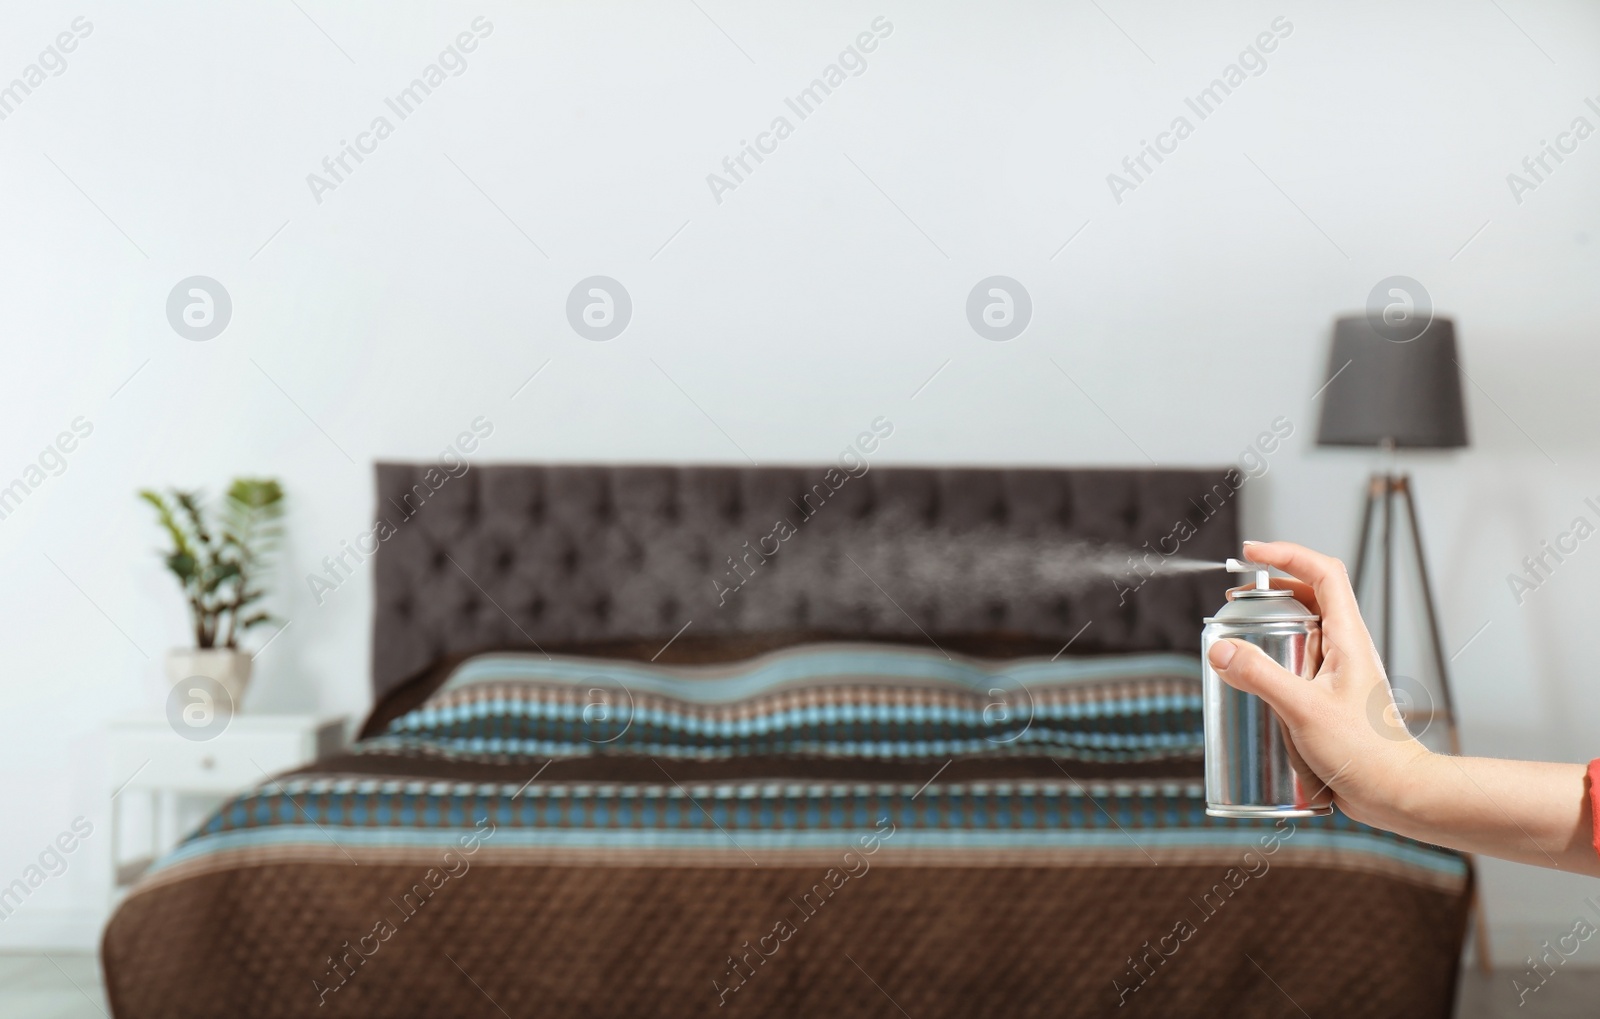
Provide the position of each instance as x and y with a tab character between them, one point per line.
1408	393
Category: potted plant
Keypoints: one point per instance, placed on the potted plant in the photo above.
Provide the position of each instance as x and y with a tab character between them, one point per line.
219	567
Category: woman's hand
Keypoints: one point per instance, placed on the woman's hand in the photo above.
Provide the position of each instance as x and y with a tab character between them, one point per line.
1344	729
1342	724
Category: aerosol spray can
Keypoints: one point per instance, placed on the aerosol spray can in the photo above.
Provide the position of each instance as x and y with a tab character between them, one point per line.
1248	773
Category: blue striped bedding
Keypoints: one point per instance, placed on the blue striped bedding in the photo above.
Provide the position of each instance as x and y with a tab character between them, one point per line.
970	762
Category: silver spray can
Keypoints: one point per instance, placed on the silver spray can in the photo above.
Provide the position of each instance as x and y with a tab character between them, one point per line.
1248	773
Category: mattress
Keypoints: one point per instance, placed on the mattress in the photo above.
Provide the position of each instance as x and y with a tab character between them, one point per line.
809	831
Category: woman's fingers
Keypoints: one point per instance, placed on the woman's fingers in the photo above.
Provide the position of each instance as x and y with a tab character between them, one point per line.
1246	667
1341	617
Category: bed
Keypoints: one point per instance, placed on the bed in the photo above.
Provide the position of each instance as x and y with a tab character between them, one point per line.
637	749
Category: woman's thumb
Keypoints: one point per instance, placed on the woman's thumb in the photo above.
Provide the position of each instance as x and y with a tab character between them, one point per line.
1246	667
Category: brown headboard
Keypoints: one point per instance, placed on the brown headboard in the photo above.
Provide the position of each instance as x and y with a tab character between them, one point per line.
512	555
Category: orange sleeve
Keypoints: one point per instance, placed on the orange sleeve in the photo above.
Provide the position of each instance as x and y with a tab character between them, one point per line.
1594	799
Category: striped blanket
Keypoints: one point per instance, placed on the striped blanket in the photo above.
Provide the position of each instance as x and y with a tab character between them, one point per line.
1047	784
828	700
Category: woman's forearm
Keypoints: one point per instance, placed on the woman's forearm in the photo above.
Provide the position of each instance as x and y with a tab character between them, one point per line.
1527	811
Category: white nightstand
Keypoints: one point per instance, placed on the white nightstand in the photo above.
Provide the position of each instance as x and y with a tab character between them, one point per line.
148	757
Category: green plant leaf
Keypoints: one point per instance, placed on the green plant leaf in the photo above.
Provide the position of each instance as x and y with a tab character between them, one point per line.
182	564
217	564
256	493
169	521
190	503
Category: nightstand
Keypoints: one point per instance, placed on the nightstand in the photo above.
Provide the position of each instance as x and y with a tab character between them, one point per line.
149	758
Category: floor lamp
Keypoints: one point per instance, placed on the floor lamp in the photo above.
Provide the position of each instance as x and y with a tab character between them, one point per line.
1394	390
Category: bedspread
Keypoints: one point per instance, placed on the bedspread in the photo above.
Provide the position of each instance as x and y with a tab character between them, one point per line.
826	830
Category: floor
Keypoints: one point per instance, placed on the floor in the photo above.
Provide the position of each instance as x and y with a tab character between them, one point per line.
53	985
1566	993
66	985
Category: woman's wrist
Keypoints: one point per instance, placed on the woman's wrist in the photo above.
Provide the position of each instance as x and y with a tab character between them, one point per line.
1404	792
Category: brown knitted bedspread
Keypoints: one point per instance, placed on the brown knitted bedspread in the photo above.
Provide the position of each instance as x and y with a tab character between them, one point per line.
456	864
523	931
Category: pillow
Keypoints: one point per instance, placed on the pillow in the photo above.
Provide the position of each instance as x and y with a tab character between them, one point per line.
689	649
815	700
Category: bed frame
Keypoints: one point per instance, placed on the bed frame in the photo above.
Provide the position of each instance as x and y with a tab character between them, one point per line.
635	561
513	556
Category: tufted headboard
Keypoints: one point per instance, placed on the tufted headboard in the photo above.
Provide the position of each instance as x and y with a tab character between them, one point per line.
510	556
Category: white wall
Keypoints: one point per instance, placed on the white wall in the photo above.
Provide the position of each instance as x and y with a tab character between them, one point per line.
807	302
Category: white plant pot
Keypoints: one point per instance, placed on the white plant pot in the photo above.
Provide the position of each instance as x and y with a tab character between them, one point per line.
228	667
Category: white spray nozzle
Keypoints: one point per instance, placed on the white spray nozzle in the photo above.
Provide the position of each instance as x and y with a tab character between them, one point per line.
1263	578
